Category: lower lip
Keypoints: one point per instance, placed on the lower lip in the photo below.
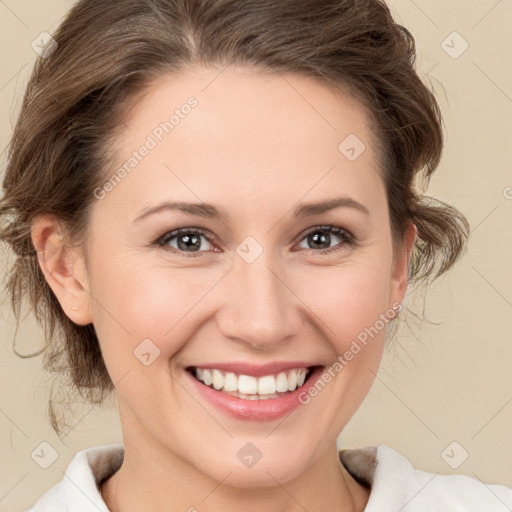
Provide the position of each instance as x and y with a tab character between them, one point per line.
256	410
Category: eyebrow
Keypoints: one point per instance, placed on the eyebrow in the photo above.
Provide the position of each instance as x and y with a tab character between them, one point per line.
212	212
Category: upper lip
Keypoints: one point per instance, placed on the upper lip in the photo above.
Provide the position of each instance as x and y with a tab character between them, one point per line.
255	370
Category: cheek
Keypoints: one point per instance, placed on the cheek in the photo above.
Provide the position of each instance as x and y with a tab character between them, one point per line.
347	299
147	301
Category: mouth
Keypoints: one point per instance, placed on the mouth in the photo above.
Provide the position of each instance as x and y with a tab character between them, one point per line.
250	387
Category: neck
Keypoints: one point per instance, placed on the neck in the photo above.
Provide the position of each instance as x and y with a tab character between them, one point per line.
155	480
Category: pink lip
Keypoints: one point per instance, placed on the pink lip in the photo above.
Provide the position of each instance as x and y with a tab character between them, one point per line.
255	410
256	370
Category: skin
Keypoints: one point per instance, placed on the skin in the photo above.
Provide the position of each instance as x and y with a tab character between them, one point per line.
256	146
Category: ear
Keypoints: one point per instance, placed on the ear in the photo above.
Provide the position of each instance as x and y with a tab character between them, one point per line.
63	268
399	278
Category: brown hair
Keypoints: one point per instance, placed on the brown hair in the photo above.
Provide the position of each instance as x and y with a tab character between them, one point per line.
108	52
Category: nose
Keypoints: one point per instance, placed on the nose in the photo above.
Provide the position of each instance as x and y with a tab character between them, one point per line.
260	308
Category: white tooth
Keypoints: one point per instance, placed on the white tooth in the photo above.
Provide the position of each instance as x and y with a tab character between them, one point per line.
266	385
247	384
218	379
292	380
282	383
301	377
207	377
230	382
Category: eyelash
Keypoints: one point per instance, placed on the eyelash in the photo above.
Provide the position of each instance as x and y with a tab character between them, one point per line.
346	236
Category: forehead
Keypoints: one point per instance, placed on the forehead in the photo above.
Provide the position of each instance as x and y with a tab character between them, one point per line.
247	101
248	134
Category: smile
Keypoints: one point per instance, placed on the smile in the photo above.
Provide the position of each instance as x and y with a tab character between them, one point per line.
249	387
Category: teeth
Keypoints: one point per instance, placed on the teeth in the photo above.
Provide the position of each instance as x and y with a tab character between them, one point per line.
267	385
207	377
250	387
292	381
218	379
247	384
230	382
282	383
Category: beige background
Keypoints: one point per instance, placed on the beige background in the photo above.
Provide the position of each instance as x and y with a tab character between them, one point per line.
447	383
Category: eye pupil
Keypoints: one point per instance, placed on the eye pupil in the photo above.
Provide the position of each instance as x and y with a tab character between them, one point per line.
321	239
189	241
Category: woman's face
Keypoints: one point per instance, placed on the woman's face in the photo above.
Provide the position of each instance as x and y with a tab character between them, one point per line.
266	281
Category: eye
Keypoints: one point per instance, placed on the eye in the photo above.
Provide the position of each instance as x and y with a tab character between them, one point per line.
320	237
188	240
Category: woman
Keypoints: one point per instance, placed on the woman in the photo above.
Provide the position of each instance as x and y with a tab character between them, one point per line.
211	205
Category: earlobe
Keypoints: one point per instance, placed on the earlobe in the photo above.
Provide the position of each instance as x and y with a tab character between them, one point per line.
63	268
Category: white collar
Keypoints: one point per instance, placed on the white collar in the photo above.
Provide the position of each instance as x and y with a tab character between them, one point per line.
395	484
